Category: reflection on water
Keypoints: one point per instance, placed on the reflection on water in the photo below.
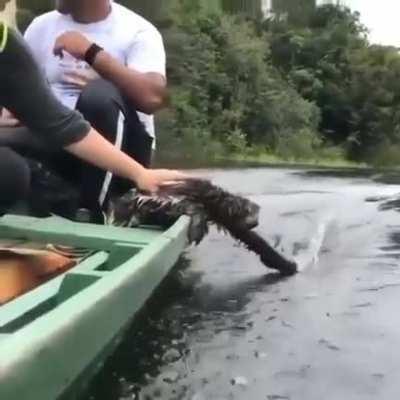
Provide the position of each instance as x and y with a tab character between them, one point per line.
223	327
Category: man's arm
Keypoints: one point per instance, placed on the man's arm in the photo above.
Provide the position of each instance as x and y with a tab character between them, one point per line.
97	151
147	90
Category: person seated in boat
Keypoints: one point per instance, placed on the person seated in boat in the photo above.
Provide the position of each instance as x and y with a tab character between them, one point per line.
24	91
109	63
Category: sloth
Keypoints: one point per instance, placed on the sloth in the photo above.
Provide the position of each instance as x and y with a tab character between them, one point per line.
206	204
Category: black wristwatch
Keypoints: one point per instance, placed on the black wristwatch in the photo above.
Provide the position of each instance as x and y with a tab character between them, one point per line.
91	53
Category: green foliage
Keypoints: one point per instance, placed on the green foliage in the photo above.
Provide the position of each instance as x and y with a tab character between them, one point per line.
386	155
24	18
248	7
224	84
355	85
36	6
297	13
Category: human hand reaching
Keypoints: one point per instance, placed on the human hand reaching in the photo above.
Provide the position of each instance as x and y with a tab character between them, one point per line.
151	180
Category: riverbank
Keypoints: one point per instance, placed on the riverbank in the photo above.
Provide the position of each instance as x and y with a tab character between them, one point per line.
265	159
248	160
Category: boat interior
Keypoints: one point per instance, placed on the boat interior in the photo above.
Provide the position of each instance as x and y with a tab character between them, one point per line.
43	262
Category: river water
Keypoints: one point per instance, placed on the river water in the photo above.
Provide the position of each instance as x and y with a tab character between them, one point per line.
222	326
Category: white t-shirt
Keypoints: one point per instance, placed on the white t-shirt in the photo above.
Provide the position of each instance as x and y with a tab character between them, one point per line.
124	34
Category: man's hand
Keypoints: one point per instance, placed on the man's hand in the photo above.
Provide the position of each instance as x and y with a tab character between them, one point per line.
7	120
81	77
73	43
151	180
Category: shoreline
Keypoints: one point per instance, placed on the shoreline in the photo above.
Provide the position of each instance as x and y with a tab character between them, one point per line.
264	160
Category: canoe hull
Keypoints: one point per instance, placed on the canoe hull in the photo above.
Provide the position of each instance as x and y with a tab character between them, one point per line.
47	357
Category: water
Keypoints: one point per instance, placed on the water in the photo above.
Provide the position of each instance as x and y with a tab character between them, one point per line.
224	327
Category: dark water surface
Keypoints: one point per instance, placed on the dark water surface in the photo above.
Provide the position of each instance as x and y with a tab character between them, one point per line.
224	327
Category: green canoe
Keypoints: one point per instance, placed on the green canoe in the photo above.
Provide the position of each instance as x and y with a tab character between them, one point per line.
54	338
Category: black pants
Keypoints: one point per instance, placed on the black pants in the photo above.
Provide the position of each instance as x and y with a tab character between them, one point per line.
109	113
14	179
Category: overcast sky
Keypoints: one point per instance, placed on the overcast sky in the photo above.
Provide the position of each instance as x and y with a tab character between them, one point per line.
382	17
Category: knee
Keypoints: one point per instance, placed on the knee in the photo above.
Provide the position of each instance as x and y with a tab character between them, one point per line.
97	98
14	178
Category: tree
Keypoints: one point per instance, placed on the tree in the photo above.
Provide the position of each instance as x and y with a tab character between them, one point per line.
249	7
297	12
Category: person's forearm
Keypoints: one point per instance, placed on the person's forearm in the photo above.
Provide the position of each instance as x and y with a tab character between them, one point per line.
146	90
96	150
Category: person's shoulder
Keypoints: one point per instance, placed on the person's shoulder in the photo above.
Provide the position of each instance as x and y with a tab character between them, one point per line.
136	21
40	25
45	19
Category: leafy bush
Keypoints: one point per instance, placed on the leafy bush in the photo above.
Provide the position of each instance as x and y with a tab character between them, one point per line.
224	84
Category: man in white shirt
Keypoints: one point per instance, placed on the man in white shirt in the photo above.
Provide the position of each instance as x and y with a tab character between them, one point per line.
108	63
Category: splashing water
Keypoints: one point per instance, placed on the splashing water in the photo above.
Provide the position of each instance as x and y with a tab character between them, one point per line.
310	257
